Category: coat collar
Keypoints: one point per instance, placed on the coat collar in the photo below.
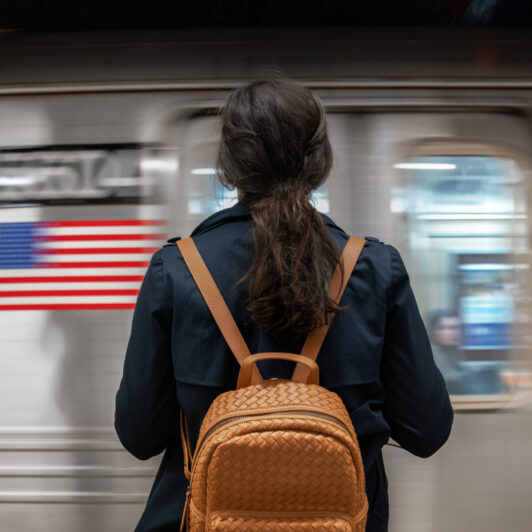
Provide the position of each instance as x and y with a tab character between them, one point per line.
238	212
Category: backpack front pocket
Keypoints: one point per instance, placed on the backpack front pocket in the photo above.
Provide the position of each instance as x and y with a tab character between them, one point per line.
251	521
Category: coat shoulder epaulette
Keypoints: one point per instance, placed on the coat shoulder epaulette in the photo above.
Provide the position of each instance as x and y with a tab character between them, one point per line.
373	239
172	240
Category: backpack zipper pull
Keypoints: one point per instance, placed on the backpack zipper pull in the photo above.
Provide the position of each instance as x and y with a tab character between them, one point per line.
185	509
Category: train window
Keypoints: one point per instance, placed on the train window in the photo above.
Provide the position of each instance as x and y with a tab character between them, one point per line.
200	193
467	226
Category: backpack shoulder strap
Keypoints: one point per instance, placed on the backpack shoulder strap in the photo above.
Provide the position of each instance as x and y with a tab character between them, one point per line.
316	337
215	301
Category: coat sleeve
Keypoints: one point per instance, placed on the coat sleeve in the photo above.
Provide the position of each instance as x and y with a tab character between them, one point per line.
146	409
417	405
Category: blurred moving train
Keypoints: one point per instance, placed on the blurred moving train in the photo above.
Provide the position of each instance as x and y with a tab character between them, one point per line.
107	143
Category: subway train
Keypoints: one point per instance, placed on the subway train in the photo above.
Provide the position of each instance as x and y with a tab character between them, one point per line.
107	146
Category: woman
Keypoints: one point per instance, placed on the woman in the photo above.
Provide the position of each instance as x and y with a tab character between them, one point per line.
272	255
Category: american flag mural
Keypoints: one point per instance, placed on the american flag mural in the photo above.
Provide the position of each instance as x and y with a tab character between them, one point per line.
75	265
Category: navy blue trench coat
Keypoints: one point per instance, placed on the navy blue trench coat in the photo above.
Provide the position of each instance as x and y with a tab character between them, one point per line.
377	357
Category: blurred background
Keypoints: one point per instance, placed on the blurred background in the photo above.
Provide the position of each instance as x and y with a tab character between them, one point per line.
108	131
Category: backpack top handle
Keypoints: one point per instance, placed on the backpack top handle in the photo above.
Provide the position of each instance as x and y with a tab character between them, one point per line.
244	377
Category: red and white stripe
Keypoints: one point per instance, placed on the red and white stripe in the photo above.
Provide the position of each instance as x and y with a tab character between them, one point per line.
84	265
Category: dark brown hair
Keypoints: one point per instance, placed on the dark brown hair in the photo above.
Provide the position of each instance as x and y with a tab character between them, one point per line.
275	149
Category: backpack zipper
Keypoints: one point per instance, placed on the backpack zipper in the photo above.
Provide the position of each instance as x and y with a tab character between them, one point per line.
237	418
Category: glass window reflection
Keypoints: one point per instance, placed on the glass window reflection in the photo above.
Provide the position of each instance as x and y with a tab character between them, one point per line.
468	241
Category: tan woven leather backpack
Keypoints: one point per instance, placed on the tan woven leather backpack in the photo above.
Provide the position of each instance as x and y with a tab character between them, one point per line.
274	455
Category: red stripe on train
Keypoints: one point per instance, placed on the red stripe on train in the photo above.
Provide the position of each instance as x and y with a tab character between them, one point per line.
71	306
73	279
83	238
96	264
100	223
59	293
93	251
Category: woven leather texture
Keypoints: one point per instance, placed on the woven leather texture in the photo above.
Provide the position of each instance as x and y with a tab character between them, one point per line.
277	447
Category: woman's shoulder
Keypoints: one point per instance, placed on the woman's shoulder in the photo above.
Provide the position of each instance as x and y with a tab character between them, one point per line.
381	259
375	249
385	253
380	263
170	249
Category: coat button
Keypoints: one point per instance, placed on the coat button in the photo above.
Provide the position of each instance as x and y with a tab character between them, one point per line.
173	239
374	239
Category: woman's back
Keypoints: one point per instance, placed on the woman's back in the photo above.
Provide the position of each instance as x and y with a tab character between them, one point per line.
272	256
376	356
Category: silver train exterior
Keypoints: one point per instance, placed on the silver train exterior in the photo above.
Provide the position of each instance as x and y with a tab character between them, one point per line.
107	144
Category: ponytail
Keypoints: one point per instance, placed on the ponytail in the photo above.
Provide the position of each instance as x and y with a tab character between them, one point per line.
272	129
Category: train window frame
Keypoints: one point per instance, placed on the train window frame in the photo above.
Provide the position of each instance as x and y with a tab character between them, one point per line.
471	148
